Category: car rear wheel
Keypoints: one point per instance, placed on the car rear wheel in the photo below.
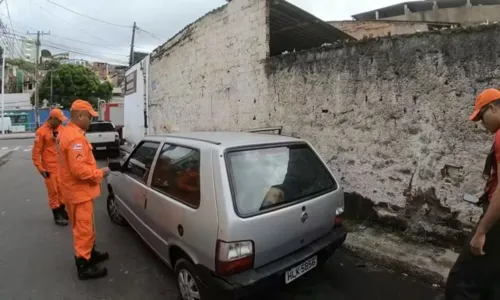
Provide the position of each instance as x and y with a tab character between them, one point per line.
113	211
187	281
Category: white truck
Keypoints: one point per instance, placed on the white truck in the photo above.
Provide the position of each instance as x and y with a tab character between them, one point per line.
104	138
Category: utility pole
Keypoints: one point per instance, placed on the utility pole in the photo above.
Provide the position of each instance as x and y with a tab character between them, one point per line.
51	90
131	60
37	43
3	88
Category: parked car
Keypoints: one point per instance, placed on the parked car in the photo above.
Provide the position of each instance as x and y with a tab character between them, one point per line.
104	138
5	124
230	213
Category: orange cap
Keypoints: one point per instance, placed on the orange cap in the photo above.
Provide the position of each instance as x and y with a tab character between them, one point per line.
485	98
83	105
58	114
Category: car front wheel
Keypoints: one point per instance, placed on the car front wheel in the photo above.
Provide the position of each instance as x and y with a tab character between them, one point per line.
187	281
113	211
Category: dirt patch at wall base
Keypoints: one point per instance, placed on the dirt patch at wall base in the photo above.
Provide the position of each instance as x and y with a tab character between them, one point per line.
423	219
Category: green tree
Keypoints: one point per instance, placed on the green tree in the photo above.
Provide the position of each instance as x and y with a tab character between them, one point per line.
71	82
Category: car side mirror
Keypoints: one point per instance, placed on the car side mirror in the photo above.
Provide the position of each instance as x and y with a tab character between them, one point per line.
115	166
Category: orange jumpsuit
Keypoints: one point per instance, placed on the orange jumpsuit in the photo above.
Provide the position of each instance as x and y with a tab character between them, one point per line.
44	155
80	184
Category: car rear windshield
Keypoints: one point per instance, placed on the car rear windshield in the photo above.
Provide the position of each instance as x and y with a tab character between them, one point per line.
101	127
266	178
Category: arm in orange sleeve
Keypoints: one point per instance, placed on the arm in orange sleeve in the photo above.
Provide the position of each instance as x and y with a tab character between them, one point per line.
78	162
36	152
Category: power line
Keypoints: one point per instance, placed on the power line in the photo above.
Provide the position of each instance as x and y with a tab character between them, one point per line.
88	17
69	23
151	34
80	51
10	20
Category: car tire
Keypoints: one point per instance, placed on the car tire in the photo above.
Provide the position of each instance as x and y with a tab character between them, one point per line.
190	287
113	211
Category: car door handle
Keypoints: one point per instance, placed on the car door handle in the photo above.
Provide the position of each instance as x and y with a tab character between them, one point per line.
145	202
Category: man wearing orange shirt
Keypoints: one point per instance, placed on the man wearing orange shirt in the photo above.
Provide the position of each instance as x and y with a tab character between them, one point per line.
44	155
80	184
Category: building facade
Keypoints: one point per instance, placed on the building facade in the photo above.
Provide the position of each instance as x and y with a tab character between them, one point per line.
466	12
28	47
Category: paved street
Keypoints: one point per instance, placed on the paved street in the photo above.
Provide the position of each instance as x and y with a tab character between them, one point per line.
36	257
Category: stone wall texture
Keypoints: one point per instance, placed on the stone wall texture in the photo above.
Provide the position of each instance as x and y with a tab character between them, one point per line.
391	118
389	115
210	74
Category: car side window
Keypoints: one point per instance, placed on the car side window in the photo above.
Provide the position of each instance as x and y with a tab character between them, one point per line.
139	163
177	174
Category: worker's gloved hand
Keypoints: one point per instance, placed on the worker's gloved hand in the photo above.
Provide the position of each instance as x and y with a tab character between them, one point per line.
105	171
44	174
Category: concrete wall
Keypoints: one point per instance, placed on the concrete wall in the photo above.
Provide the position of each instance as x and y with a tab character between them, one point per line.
463	15
361	29
391	118
210	75
388	115
133	129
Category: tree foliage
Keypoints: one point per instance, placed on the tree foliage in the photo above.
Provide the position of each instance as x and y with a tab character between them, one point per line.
71	82
22	64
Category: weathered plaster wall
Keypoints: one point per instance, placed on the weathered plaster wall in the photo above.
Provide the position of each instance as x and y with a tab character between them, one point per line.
210	75
391	117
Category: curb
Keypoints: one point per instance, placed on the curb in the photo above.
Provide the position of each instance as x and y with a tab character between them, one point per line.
396	265
5	154
16	138
426	262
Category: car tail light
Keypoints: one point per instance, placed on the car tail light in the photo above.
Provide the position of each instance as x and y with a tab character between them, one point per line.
233	257
339	217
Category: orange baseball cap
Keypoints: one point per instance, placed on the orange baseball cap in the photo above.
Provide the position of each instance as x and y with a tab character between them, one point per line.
84	105
486	97
58	114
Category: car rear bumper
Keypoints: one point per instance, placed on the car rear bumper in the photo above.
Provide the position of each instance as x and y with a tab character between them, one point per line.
106	146
272	274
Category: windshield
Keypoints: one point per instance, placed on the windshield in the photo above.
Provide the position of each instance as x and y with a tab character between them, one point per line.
269	177
101	127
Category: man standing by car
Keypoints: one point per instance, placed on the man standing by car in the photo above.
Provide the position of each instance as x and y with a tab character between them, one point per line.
80	184
44	156
477	269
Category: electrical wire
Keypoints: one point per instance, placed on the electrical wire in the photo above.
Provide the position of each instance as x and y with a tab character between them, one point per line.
83	53
69	23
151	34
10	20
88	17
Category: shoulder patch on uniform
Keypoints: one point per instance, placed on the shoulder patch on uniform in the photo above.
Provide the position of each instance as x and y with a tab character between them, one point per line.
77	147
37	138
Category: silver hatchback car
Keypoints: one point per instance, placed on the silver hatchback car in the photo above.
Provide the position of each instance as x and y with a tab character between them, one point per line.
230	212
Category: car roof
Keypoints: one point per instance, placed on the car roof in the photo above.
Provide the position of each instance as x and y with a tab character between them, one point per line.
224	139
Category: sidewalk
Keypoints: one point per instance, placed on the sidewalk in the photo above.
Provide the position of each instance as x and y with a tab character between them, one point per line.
17	136
424	261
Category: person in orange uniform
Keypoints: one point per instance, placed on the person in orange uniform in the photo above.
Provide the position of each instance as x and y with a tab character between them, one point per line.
476	272
44	155
79	184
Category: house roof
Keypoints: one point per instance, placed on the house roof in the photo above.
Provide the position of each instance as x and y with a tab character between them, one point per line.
292	28
418	6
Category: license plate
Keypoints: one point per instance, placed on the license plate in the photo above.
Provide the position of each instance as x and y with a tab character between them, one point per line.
301	269
100	148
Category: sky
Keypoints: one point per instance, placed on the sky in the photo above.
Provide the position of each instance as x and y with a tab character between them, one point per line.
110	40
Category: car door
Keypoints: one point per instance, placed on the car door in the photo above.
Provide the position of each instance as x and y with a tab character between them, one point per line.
131	188
173	209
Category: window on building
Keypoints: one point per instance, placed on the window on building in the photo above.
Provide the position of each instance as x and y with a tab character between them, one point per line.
177	174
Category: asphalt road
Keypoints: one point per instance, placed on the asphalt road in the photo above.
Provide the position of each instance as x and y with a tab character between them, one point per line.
36	257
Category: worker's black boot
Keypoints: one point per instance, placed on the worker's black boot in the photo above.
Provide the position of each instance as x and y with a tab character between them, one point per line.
97	257
64	213
58	218
86	270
